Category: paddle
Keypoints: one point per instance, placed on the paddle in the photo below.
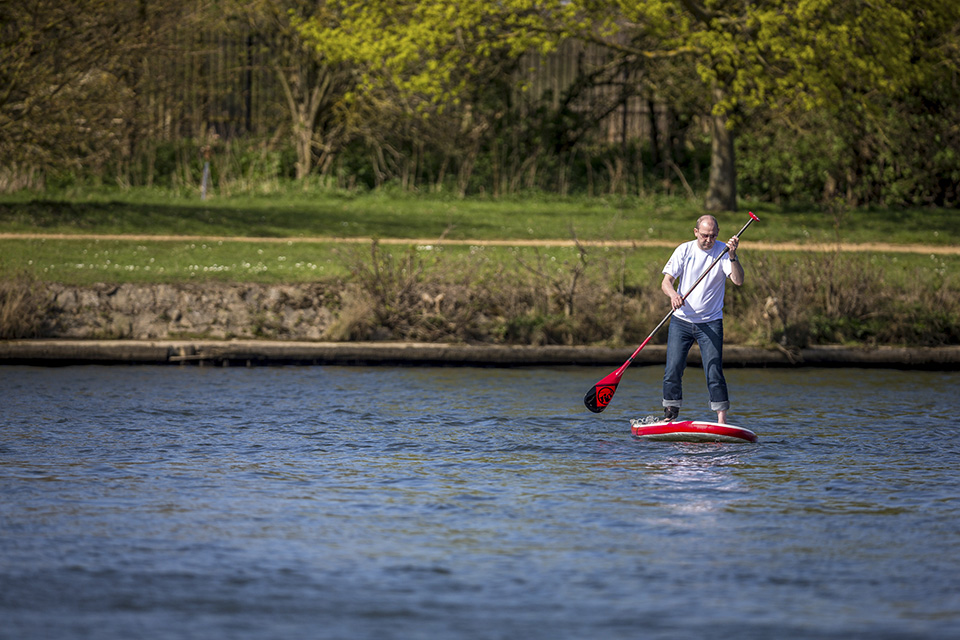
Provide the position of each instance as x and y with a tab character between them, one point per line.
600	395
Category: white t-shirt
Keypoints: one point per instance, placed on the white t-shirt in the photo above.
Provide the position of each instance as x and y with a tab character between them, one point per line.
688	263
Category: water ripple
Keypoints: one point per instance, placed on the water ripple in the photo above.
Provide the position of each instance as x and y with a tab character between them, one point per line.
347	502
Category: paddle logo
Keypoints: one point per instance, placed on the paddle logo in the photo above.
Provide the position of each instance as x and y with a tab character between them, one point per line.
605	394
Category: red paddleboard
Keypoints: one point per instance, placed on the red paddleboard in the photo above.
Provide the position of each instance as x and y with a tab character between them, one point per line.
692	431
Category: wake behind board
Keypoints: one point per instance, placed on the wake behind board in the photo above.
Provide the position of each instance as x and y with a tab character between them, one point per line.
691	431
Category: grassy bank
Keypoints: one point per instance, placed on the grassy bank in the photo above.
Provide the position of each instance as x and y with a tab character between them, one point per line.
503	294
297	213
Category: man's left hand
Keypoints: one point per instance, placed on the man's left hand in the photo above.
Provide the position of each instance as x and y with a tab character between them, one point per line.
732	244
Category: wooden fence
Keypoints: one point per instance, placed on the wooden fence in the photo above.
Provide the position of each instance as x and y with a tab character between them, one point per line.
224	84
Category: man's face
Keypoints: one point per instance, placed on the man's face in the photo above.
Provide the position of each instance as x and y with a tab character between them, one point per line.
706	234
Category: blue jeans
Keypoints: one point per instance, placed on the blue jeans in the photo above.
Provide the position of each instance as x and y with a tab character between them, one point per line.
709	335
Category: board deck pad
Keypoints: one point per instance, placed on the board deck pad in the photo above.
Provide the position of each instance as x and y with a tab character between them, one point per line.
691	431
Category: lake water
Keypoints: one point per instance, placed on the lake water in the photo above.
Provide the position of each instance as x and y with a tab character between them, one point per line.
385	502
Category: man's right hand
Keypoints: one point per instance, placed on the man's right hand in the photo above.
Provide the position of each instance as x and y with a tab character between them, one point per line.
668	286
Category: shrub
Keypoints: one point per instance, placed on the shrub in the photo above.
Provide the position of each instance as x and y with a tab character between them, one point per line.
24	308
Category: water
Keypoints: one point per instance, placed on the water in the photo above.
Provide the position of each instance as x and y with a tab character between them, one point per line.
331	502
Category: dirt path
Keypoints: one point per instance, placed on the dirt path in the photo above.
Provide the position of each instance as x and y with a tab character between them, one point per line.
758	246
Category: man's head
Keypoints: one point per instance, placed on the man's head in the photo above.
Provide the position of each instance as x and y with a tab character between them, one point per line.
706	231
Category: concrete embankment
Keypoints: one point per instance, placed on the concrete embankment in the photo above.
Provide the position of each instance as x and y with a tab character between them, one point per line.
265	352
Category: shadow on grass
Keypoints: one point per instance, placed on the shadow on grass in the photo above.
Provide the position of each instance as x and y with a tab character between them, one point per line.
284	220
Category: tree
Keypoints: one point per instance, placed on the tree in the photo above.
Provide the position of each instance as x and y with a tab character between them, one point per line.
435	60
56	76
313	84
787	54
76	77
747	54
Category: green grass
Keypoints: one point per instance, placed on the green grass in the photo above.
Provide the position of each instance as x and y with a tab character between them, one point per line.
84	262
294	213
333	215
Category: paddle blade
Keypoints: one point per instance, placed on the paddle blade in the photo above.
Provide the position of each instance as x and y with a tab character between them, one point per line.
600	394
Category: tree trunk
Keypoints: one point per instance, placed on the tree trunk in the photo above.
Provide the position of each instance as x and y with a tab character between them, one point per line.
304	144
654	133
303	101
722	190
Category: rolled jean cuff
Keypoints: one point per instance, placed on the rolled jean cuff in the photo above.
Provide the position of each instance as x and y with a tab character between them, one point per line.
720	406
673	403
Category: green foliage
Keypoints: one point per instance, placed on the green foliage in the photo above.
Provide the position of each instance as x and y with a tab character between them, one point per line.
833	298
438	50
882	160
831	101
778	165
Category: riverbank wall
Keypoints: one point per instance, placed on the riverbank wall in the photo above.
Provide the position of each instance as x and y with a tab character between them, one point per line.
174	311
261	324
249	353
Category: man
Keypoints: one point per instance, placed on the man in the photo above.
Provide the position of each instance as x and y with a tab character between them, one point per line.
700	317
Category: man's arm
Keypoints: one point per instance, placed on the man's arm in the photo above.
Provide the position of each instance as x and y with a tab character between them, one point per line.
669	288
736	269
